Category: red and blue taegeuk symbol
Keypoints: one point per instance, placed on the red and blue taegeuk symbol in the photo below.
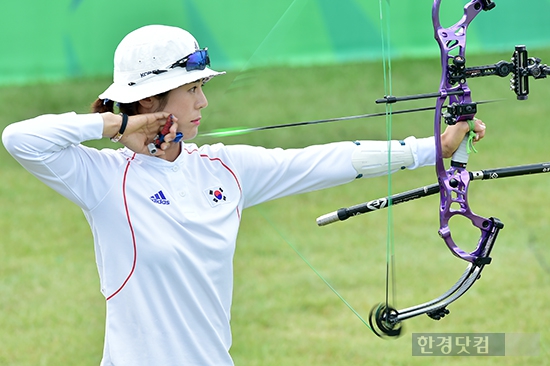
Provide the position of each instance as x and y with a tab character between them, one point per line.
217	195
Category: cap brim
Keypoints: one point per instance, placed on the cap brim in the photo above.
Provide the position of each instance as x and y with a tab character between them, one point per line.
122	92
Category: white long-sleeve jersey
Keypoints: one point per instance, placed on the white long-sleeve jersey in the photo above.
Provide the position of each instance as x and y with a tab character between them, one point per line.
165	232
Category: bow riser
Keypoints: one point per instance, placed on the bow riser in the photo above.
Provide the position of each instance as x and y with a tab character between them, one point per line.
454	182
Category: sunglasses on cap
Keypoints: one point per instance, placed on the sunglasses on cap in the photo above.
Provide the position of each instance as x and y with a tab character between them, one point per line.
198	60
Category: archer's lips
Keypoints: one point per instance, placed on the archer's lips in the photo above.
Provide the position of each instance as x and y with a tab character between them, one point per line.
197	121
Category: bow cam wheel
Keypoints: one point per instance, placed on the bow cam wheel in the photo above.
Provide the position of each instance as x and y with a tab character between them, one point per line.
383	321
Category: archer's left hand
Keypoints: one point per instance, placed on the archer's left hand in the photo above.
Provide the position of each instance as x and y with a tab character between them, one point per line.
453	136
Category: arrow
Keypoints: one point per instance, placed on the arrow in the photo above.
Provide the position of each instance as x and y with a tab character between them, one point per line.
234	131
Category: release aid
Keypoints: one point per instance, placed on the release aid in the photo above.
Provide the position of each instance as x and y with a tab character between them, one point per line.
159	139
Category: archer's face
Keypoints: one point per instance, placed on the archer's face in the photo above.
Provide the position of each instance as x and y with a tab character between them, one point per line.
186	103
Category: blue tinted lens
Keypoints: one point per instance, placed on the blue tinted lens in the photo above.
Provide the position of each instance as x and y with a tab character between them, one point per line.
197	60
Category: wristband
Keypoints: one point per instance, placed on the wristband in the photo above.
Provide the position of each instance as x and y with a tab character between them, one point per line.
118	136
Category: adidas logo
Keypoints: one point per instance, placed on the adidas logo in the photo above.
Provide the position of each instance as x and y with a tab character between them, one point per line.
159	198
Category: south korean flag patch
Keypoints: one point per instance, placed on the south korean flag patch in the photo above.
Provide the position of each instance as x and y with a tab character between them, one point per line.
216	196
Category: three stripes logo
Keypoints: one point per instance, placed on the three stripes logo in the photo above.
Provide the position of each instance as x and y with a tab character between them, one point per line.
159	198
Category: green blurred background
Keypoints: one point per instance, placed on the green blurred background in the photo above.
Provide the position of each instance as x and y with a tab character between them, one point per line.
44	40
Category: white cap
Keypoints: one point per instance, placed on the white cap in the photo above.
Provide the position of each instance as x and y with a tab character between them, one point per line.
147	49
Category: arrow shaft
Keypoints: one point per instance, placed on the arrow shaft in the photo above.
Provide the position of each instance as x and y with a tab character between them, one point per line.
240	131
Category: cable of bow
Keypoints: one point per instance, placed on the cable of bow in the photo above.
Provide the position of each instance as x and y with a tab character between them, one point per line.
390	276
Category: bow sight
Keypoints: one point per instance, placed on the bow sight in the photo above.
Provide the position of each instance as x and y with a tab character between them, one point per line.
521	66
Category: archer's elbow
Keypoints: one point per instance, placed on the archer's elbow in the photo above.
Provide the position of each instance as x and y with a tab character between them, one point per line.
9	138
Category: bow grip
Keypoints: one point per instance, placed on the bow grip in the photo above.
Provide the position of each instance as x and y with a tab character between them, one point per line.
460	157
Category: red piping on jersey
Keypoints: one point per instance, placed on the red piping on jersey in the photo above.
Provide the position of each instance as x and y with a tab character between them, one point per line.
131	229
225	166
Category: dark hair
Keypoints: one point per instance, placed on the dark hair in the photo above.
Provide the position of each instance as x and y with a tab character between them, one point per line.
131	109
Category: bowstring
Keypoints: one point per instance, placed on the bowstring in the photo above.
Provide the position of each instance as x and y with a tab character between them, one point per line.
385	21
312	267
292	8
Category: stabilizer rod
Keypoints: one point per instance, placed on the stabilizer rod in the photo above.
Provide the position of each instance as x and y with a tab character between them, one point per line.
380	203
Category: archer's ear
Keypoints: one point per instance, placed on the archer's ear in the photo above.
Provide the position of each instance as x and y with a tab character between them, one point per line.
148	105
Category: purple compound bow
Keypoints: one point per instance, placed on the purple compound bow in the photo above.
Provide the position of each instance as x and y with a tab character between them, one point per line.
453	183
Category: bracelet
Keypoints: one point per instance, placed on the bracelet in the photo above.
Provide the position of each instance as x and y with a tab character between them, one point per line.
118	136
